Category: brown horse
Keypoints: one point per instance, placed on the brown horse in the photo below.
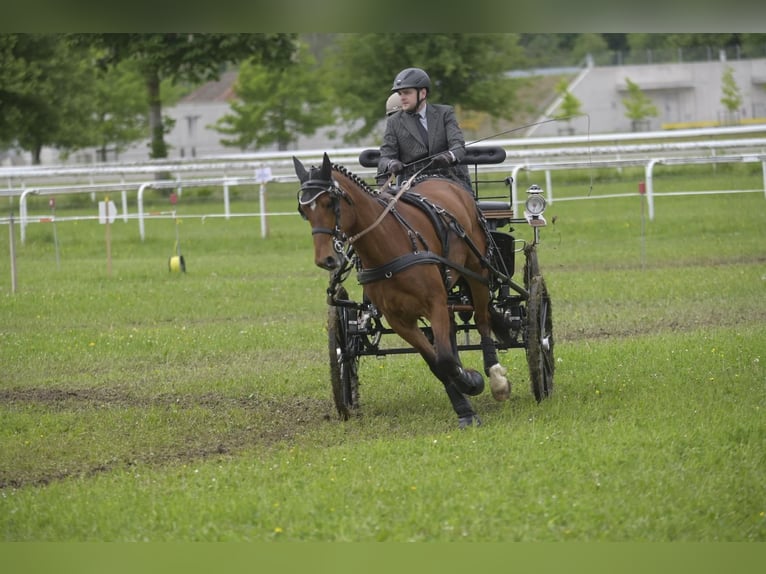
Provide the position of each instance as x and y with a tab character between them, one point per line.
411	256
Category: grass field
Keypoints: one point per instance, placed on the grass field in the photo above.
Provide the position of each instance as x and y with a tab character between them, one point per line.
150	405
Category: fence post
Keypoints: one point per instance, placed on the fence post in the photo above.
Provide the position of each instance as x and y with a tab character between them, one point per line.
13	253
763	164
124	201
262	205
649	180
23	217
140	201
515	188
548	186
226	203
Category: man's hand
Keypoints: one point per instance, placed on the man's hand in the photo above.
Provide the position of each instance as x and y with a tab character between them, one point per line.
444	159
395	166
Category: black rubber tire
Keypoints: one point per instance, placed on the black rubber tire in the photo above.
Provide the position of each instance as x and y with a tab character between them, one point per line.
539	339
344	362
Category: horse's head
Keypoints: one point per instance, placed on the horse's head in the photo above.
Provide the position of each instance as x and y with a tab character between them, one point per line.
319	204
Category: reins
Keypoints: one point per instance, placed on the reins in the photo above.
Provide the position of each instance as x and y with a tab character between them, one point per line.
405	186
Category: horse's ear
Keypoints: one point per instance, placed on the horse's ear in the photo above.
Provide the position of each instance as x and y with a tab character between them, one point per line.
326	167
300	171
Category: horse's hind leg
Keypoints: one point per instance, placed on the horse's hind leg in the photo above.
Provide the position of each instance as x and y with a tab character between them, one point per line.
498	383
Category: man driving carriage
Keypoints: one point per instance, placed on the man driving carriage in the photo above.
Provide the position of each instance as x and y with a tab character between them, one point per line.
421	131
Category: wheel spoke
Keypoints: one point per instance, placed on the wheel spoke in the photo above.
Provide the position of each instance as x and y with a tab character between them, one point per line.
343	360
539	338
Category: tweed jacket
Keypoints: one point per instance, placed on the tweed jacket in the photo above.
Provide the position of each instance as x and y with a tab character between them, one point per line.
402	140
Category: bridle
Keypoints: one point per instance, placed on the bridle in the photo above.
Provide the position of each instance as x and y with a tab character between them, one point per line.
310	191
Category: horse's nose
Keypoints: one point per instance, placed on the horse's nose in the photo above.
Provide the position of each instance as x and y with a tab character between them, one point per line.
329	263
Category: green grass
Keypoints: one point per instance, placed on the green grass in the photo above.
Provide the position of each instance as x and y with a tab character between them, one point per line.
150	405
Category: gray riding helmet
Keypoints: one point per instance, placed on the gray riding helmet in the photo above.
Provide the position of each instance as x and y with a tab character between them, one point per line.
411	78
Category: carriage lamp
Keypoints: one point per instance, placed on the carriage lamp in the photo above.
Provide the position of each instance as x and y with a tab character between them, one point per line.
535	206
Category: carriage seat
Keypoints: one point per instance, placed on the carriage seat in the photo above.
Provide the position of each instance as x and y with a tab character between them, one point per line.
497	213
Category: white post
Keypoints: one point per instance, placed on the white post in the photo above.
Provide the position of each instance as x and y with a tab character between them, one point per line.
515	188
548	186
649	181
141	189
226	208
262	202
124	202
23	214
13	254
763	164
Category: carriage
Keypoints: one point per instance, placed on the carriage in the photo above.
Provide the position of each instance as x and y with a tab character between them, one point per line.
461	279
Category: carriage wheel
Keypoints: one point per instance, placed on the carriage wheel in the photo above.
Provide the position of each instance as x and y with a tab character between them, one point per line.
540	339
531	267
344	362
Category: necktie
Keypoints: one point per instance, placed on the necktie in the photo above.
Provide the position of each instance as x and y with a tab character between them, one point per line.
422	128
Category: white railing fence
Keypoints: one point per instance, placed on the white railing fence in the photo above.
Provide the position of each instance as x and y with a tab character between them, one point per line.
529	154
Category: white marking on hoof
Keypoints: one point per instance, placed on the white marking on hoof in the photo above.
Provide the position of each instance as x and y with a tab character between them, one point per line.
501	388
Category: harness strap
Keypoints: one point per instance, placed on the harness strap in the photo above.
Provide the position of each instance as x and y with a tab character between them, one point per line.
405	186
402	262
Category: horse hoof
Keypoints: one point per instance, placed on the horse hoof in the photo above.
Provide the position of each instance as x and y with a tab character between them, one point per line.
470	382
469	421
498	383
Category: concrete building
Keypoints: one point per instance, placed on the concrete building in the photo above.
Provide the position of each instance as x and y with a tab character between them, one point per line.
686	95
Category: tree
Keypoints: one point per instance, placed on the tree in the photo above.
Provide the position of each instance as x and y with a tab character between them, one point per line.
119	109
587	45
45	92
180	57
638	41
731	98
466	71
638	106
276	105
544	50
569	107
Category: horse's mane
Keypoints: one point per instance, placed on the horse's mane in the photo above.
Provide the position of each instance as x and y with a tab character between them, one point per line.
356	179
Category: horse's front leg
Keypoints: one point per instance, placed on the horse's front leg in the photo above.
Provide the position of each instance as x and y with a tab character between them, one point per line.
448	367
460	403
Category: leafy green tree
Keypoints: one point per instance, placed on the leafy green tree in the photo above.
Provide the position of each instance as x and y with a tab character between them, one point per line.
717	40
466	70
570	105
642	41
638	106
184	57
731	97
277	105
753	45
543	50
13	86
119	109
586	44
45	93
